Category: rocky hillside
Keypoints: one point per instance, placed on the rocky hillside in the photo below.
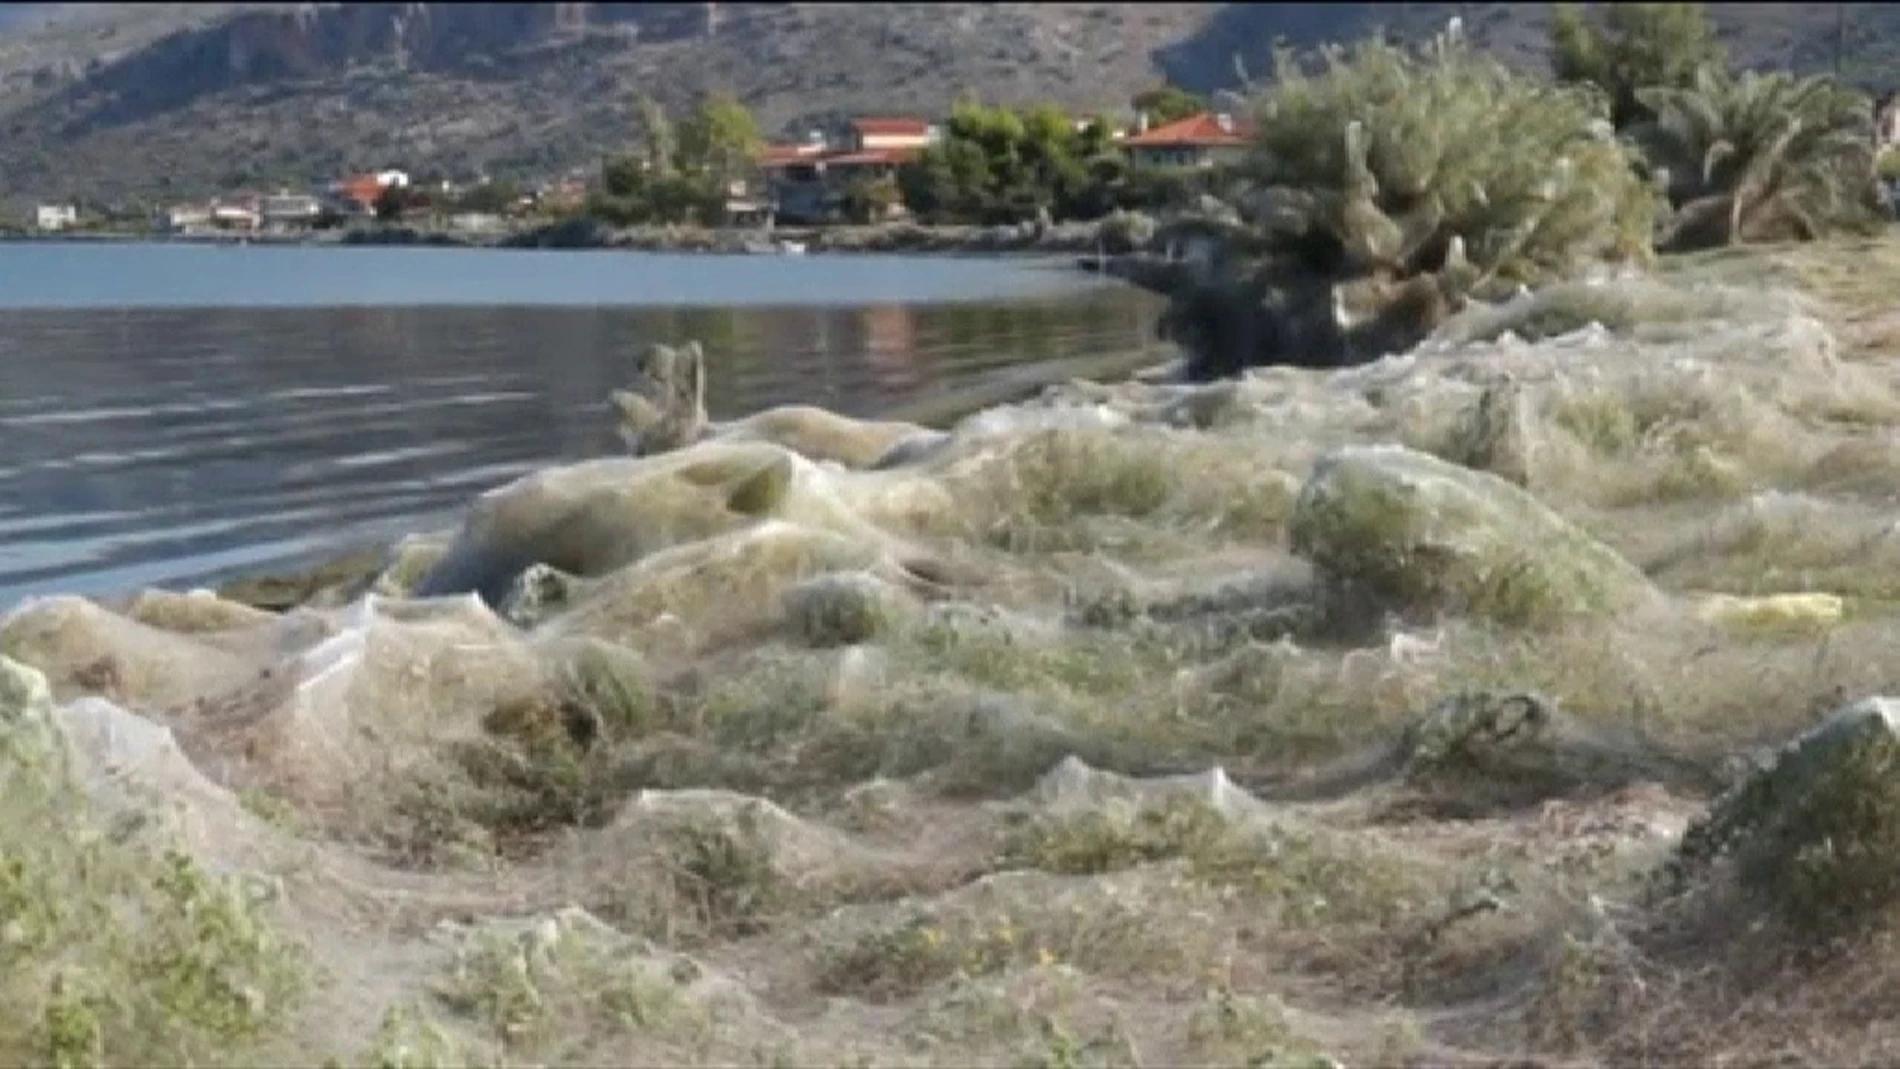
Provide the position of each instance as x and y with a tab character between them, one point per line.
111	100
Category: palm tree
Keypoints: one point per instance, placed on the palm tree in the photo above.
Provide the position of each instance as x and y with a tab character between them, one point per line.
1759	157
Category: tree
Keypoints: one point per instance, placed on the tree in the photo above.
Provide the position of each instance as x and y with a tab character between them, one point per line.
1760	157
719	140
391	203
1005	165
656	130
493	197
1630	47
1169	103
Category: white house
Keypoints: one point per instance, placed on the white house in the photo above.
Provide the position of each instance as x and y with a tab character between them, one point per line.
55	216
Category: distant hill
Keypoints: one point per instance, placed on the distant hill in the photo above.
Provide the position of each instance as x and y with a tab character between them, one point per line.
115	100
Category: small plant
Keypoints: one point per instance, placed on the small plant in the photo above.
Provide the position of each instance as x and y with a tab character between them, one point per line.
1236	1029
725	875
1097	841
407	1039
562	986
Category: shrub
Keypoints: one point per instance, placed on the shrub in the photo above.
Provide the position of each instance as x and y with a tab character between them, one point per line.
1629	47
1379	160
1391	184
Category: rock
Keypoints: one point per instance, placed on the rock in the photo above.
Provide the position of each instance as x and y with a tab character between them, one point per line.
1817	828
1424	535
843	610
283	592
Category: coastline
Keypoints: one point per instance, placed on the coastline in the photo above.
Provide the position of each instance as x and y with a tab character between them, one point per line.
1097	689
347	569
584	233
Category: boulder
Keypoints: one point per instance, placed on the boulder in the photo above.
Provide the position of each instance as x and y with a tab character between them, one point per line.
1421	534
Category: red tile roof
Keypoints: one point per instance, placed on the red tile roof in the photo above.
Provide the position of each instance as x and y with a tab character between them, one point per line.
1197	131
362	188
891	127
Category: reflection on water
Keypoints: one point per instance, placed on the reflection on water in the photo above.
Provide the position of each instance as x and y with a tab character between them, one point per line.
142	446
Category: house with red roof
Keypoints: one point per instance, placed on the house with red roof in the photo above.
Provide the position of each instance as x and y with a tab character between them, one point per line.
1203	140
807	182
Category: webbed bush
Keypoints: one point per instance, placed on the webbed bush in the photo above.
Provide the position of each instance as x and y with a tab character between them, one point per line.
113	952
1378	161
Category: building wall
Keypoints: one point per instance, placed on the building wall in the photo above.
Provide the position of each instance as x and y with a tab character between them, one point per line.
1186	155
55	216
871	142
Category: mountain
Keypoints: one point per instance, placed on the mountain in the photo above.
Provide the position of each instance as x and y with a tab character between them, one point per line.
114	100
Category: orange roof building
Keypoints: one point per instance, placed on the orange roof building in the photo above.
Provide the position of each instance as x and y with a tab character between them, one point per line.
1197	141
1206	130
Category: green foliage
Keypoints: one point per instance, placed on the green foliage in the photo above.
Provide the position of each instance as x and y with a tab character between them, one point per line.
1760	157
867	200
391	203
719	140
1169	103
116	954
680	172
1373	165
493	197
1631	47
1004	165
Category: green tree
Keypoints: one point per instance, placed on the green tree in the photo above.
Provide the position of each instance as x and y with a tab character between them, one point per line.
866	200
1625	48
661	151
1004	165
1762	157
1169	103
720	139
492	197
391	203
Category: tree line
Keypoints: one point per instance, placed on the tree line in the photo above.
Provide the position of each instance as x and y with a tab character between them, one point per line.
1726	153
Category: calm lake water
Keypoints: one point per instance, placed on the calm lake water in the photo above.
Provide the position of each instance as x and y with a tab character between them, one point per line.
174	414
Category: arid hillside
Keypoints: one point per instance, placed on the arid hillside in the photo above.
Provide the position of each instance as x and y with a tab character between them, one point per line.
116	100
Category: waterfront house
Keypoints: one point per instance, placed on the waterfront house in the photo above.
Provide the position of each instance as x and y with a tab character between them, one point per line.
359	192
284	210
184	218
808	182
55	216
1205	140
236	212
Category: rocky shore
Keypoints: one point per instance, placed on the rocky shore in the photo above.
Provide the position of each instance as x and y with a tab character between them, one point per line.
1516	698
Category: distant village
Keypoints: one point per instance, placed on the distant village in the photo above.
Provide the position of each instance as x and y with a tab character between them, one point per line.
800	183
